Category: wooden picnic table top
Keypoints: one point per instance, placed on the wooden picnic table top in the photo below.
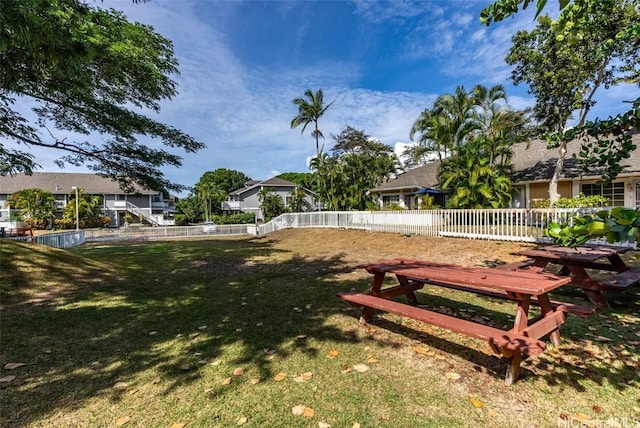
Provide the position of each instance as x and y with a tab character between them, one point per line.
529	283
588	253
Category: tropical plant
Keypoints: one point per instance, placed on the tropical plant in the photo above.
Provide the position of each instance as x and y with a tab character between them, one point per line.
616	225
84	69
580	201
89	212
310	110
36	206
271	203
298	200
359	163
190	210
475	181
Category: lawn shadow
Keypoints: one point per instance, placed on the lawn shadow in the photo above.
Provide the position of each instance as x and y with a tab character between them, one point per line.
174	310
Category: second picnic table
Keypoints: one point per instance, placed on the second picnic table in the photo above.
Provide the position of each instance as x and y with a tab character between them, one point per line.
576	261
525	288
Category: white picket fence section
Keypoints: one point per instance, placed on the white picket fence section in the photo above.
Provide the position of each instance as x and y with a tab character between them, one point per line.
521	225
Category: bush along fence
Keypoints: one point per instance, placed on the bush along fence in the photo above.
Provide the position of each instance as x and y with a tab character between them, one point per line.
566	226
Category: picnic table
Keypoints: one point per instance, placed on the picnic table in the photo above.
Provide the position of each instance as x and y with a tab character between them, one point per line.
524	288
576	261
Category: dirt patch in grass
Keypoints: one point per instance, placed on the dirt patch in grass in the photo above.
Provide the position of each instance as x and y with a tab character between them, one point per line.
364	247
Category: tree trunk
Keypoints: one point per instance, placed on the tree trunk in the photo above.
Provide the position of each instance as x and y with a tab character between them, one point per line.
553	185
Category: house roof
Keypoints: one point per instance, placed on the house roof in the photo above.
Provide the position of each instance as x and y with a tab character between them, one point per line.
532	162
272	182
537	163
62	182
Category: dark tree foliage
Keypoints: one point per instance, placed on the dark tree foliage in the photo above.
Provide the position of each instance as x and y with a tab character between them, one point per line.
86	71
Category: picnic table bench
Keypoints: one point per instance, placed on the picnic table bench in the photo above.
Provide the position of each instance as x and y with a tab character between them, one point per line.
576	261
524	288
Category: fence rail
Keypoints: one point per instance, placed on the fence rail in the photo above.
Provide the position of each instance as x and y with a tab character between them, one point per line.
521	225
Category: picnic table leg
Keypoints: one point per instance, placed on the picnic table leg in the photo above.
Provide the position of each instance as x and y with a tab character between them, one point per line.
513	369
522	313
547	310
374	290
411	296
538	265
591	288
618	264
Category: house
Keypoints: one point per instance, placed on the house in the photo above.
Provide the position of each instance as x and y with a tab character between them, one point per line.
534	165
147	204
246	198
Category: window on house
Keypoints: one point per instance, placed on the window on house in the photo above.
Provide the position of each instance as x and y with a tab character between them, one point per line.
408	204
390	199
612	191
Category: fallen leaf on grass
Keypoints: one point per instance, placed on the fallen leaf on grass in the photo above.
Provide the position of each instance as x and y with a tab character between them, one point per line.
361	368
597	408
345	369
372	360
303	377
452	376
580	417
238	372
5	379
132	391
333	353
242	421
603	339
12	366
120	385
280	376
181	425
254	381
420	350
156	380
226	381
476	403
356	425
302	410
323	425
123	420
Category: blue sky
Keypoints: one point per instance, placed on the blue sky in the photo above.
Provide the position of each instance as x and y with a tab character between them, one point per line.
242	63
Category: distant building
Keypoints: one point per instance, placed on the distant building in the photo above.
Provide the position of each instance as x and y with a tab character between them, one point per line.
149	205
246	198
534	165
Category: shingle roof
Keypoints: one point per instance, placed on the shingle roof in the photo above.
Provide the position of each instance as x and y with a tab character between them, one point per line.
532	162
537	163
62	183
272	182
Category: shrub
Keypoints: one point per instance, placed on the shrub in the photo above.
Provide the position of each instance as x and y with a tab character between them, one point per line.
580	201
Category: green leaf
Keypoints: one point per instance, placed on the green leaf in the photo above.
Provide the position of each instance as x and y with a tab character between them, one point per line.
599	228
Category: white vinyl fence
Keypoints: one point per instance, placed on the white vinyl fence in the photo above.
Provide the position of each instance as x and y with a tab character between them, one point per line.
522	225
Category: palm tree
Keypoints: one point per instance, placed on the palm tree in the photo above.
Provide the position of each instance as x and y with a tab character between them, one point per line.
309	111
36	206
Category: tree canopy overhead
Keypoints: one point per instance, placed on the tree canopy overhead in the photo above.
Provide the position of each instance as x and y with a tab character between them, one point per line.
86	71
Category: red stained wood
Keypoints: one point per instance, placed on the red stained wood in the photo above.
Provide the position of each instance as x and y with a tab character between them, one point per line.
496	337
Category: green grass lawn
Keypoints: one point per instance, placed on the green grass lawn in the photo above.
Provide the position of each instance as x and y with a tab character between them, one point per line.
202	333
